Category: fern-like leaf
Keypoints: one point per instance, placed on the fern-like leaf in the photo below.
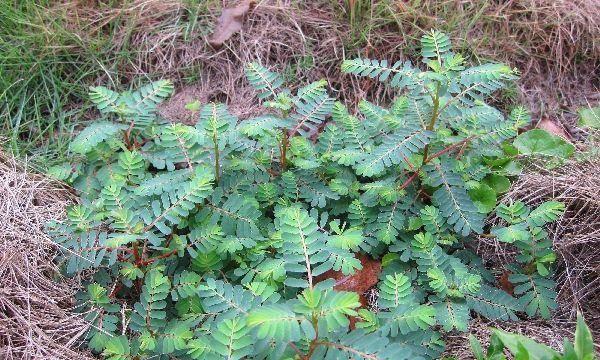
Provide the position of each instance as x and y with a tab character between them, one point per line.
303	246
232	339
87	140
149	96
223	299
150	310
310	112
263	80
262	125
394	290
452	315
407	318
435	44
494	304
279	322
404	75
105	100
358	345
453	200
175	205
536	294
396	149
545	213
483	80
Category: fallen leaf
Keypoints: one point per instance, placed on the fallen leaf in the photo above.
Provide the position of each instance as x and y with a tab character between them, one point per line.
553	128
505	284
229	23
361	281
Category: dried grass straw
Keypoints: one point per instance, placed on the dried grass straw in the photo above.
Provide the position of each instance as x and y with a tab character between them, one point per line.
576	240
36	317
576	236
555	44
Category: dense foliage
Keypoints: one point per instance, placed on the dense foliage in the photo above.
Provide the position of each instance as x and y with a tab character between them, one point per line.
208	241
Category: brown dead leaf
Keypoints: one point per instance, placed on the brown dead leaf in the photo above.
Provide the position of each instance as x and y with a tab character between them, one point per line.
229	23
553	128
361	281
505	284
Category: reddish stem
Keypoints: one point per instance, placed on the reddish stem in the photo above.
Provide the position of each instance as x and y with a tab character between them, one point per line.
127	139
136	255
156	258
115	290
409	180
449	148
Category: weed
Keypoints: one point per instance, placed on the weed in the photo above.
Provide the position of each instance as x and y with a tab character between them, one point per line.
215	235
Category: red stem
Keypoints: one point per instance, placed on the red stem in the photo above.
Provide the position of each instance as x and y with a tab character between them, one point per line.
443	151
156	258
409	180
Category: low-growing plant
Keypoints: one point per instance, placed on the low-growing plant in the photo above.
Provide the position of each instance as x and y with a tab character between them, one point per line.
213	240
522	347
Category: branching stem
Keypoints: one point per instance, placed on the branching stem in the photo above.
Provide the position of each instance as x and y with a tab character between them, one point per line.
449	148
156	258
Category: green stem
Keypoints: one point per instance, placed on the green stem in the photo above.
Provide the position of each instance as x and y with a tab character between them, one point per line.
284	146
315	342
216	145
434	116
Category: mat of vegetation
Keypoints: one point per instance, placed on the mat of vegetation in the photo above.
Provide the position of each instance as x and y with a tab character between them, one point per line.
235	239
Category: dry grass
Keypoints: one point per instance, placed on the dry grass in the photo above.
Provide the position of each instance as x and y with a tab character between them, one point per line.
36	321
576	235
549	333
555	44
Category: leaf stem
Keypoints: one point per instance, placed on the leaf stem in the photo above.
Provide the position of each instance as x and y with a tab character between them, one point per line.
284	146
295	348
409	180
434	116
163	256
315	342
445	150
217	166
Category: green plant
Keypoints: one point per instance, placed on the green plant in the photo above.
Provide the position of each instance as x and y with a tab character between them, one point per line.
522	347
531	275
215	240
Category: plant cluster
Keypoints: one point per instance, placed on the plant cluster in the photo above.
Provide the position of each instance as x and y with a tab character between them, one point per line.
208	241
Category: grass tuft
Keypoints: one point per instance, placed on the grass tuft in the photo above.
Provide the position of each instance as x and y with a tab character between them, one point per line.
44	72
